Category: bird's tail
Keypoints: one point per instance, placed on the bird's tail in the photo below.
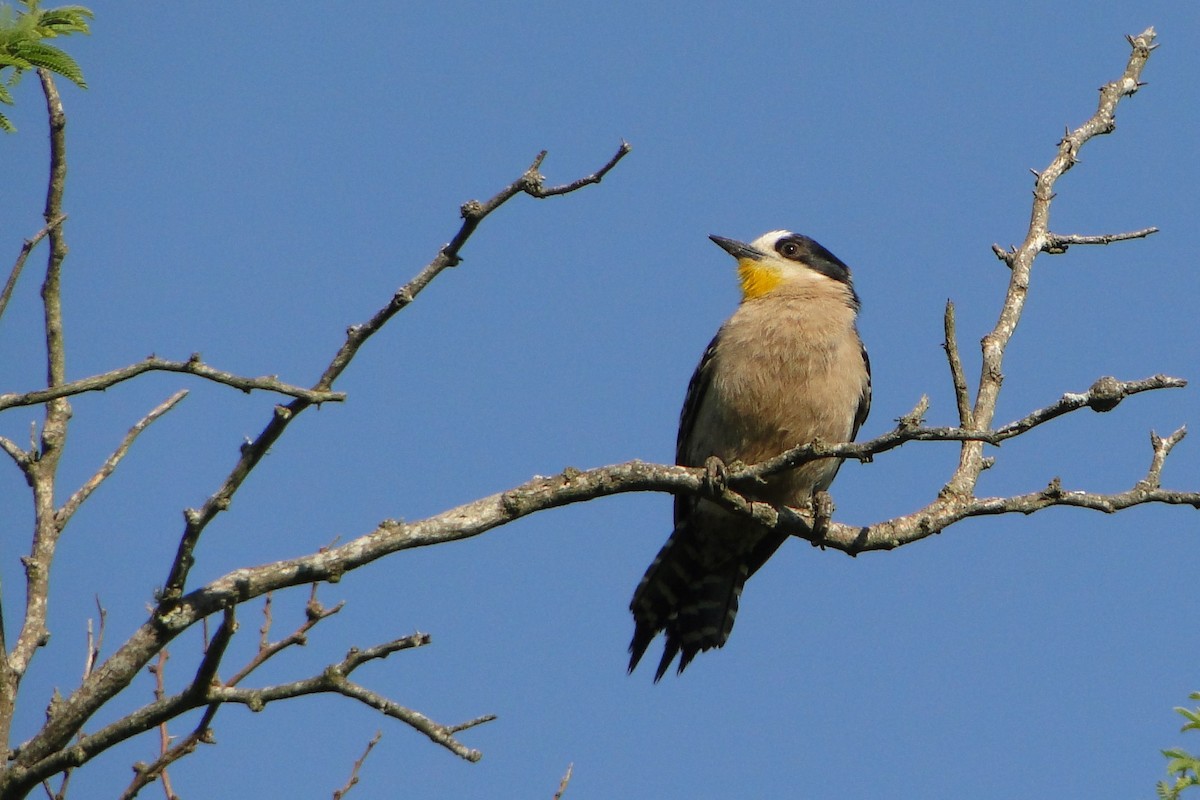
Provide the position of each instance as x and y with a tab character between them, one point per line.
690	592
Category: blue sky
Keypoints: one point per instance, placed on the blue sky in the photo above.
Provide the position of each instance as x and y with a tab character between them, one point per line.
248	185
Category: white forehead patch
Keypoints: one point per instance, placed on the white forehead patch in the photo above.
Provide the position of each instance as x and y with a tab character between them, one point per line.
766	242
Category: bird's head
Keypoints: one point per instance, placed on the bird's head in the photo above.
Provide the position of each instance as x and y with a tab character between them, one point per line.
780	258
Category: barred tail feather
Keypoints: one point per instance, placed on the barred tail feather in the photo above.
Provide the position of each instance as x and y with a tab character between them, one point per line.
690	592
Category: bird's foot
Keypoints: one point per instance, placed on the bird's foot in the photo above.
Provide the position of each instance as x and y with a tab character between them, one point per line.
716	475
822	507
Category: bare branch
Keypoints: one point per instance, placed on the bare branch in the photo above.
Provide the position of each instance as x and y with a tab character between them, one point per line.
202	733
110	464
145	774
1020	259
1103	396
196	520
169	753
537	190
264	633
40	465
334	679
570	486
95	642
26	249
51	292
40	471
473	519
961	398
314	613
206	674
1162	448
562	785
437	733
193	366
352	781
331	680
14	452
1058	243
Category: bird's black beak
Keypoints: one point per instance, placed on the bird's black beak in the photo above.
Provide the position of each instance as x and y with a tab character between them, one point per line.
738	250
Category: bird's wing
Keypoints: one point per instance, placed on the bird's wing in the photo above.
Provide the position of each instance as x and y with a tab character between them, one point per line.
864	402
696	392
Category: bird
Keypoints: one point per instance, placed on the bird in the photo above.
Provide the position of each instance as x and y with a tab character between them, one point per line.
787	368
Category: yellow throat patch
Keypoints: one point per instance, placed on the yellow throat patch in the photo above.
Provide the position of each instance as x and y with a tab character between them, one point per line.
756	279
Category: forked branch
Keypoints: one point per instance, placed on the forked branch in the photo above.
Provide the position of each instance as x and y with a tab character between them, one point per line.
473	212
46	749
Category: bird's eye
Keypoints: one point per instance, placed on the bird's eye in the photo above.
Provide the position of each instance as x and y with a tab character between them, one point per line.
789	249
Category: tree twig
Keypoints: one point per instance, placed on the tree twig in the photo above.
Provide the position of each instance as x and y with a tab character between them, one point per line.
957	376
110	464
1104	395
95	641
562	785
473	212
193	366
19	456
145	774
26	248
314	614
202	733
352	781
1162	448
536	189
1058	243
1020	260
332	680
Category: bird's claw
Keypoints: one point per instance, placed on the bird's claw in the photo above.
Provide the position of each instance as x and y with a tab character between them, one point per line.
822	507
716	475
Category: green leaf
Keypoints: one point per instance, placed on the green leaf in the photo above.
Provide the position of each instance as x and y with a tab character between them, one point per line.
1192	715
51	58
1181	766
21	47
1193	718
64	21
10	60
16	77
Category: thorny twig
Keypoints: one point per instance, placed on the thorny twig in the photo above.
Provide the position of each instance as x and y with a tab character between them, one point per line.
352	781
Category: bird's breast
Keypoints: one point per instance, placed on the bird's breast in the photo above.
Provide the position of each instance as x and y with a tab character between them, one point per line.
783	376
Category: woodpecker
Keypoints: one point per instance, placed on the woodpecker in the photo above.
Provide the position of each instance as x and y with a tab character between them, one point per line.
787	368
